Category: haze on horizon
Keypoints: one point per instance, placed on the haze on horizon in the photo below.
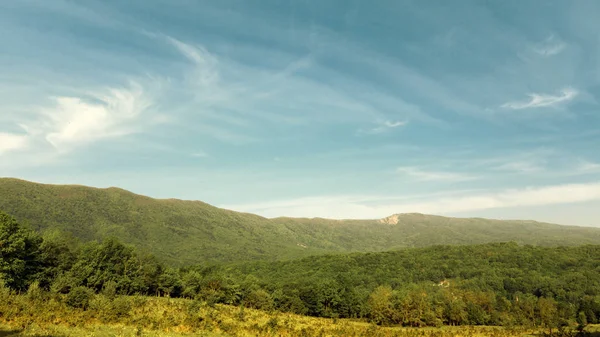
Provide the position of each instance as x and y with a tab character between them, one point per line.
335	109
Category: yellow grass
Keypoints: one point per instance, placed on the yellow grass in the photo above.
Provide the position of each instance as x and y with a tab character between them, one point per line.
177	317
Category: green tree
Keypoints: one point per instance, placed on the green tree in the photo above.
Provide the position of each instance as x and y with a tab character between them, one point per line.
457	310
191	282
548	313
380	305
110	261
581	322
169	283
288	300
259	299
19	253
57	257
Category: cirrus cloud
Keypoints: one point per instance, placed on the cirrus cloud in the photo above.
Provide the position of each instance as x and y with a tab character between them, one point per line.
537	100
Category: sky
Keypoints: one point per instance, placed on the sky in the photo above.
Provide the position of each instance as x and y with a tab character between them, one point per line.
333	108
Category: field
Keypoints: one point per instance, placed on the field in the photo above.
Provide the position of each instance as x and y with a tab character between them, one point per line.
116	330
43	314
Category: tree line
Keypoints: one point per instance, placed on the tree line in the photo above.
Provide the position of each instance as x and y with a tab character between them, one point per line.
492	284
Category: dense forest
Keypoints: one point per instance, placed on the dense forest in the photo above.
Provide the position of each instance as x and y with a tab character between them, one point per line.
490	284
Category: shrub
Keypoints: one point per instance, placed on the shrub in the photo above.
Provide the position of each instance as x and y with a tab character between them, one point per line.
241	315
4	290
193	307
109	289
79	297
273	323
121	307
35	293
63	284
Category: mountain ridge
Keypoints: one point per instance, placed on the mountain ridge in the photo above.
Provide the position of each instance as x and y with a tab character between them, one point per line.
191	231
119	189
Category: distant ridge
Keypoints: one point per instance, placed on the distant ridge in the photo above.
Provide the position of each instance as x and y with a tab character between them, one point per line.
187	232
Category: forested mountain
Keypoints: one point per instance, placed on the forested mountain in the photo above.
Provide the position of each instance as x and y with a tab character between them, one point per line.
189	232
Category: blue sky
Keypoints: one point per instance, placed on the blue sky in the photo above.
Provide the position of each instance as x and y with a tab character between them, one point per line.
340	109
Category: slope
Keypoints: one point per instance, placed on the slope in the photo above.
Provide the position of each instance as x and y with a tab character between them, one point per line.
187	232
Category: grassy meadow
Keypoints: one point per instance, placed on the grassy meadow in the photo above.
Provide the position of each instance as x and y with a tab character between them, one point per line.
38	313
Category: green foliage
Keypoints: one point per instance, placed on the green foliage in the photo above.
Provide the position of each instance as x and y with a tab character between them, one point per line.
120	307
79	297
492	284
35	293
109	290
169	283
581	321
189	232
259	299
109	261
165	317
57	256
380	305
19	253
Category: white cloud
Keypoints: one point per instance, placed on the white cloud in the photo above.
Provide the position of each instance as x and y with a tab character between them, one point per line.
11	142
196	54
70	122
74	121
391	124
344	207
543	100
383	126
424	175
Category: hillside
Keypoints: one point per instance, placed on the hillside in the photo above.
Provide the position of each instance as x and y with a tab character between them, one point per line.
482	275
187	232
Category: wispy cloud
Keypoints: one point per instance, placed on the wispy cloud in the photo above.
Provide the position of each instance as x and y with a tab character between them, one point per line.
391	124
424	175
196	54
585	167
206	71
550	46
543	100
67	123
73	121
383	126
199	154
76	121
523	166
226	92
